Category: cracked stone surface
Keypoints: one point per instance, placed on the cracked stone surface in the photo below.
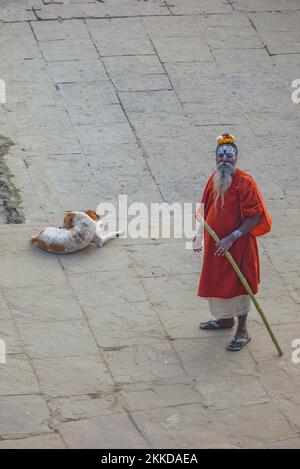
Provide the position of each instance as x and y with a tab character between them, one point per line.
127	97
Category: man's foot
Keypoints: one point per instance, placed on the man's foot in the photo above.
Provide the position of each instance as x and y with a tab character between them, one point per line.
217	324
238	342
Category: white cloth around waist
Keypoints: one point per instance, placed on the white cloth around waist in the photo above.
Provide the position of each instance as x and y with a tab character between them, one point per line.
225	308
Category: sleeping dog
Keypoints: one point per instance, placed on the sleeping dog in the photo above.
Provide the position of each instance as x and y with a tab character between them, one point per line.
78	231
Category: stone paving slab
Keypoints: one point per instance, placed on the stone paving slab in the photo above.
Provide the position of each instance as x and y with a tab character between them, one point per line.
108	10
30	416
177	427
46	441
103	347
18	377
101	432
73	375
65	409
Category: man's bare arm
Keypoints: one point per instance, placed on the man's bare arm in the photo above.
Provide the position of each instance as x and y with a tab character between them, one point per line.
249	224
226	243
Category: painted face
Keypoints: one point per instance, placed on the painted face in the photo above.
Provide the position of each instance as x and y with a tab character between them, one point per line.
228	152
226	149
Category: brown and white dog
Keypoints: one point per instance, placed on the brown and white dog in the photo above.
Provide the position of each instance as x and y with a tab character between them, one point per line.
78	231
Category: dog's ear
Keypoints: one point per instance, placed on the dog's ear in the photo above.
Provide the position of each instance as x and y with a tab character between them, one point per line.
68	220
92	214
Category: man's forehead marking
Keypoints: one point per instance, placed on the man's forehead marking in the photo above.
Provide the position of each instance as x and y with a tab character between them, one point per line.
226	149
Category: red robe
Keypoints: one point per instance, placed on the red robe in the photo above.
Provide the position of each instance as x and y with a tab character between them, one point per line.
242	200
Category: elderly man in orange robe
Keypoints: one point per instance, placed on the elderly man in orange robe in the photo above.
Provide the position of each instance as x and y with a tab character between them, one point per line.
235	210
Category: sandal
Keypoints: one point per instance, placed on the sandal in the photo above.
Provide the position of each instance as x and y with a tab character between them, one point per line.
212	325
237	344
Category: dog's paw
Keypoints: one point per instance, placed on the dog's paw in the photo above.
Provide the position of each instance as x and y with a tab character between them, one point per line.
119	234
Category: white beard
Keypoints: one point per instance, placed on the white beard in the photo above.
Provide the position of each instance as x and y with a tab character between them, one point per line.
222	181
